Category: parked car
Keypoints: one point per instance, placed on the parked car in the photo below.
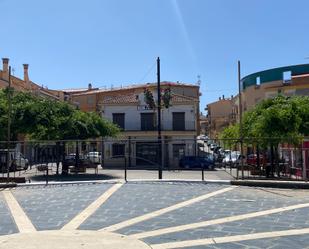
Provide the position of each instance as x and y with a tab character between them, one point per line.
231	157
83	161
190	162
94	157
252	159
17	159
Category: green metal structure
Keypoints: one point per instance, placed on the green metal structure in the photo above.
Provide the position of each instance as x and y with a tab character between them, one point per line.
274	74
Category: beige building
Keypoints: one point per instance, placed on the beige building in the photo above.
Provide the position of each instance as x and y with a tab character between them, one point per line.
288	81
221	114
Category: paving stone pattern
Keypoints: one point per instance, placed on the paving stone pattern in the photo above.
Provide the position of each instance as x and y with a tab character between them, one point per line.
135	199
52	207
7	224
236	202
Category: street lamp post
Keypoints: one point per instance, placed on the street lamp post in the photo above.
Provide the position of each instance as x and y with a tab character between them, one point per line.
8	160
159	119
240	123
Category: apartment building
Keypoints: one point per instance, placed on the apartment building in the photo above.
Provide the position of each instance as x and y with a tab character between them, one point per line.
126	107
220	114
288	81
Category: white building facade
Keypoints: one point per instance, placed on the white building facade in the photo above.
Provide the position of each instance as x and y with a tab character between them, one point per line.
138	144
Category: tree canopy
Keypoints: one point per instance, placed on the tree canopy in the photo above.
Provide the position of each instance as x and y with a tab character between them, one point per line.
283	119
44	119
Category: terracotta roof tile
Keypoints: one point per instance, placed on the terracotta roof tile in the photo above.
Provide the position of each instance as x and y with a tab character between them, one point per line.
131	98
136	86
182	98
119	99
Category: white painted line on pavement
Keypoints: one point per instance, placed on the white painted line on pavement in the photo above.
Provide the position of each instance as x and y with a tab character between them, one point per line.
216	221
87	212
21	219
228	239
164	210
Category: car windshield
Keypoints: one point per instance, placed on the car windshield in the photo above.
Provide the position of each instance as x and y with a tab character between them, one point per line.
94	153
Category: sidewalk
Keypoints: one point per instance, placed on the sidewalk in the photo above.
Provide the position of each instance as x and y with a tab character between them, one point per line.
219	176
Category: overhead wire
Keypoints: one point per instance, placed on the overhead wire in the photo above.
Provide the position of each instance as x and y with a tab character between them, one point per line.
148	72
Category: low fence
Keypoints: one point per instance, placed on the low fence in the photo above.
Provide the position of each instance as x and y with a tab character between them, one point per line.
135	158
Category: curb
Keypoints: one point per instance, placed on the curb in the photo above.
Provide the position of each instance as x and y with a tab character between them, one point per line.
248	183
8	185
33	184
271	184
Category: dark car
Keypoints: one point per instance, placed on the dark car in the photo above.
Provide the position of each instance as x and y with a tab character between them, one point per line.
191	162
83	162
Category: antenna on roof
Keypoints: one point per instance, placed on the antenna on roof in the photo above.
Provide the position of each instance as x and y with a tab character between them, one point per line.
199	80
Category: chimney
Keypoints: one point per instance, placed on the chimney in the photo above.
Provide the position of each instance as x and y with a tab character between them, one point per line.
89	86
219	98
222	96
5	68
26	76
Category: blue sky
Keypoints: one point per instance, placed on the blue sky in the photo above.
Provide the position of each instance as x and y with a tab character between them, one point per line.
71	43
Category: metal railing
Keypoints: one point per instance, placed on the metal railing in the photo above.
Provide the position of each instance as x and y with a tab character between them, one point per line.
103	158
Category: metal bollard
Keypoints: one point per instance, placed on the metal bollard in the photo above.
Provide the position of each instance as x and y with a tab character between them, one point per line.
125	168
47	174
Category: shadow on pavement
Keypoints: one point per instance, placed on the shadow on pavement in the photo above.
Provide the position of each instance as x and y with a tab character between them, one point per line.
72	177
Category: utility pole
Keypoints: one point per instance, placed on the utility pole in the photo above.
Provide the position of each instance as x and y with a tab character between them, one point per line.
8	160
159	118
240	123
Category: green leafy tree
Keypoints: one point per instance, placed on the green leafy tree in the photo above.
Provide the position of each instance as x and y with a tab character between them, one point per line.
274	121
230	136
44	119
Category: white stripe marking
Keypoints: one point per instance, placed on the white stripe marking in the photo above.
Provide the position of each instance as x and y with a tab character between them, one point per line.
164	210
216	221
87	212
228	239
21	219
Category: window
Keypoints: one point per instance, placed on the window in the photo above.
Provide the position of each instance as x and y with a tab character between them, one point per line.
178	121
118	150
287	76
118	119
147	121
258	81
178	151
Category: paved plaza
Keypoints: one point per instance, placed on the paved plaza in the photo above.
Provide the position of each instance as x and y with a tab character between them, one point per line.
154	215
132	174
